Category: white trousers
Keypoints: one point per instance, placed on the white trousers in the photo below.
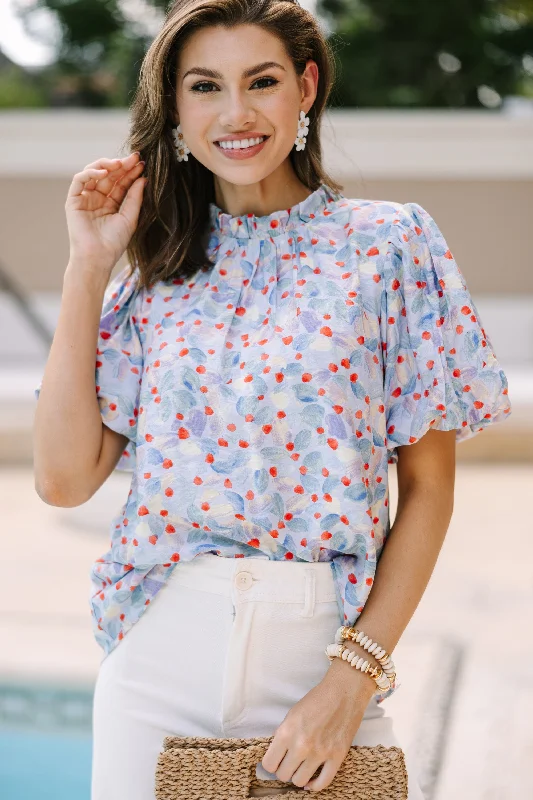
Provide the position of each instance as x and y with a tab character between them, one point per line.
226	648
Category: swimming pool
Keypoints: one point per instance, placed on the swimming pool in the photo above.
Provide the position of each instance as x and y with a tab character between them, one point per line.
45	741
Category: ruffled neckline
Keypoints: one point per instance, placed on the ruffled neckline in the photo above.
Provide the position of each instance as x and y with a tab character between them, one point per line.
249	226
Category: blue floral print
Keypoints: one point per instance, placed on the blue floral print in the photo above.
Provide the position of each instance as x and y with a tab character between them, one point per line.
264	398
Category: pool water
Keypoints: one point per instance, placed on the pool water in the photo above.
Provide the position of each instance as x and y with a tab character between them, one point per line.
45	742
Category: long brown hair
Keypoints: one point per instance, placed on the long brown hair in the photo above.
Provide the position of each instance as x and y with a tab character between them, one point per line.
173	229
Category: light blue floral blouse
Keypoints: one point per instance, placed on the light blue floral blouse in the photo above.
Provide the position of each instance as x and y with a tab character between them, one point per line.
264	398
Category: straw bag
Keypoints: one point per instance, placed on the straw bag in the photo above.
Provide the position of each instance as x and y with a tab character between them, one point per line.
205	768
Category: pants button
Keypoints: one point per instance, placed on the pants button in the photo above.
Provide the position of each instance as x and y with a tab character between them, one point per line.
243	580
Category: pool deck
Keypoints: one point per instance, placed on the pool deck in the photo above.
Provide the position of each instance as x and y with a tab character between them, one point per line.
470	723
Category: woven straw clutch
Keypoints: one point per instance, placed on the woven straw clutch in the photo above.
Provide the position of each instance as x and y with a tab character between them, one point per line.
205	768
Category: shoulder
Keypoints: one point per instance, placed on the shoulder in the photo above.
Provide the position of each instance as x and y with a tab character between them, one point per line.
400	234
379	220
369	209
380	233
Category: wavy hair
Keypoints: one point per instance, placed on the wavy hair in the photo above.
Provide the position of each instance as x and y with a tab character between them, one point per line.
171	238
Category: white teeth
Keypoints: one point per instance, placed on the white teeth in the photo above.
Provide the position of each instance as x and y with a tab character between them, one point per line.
238	144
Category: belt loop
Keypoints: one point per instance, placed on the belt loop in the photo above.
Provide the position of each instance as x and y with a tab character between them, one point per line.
309	601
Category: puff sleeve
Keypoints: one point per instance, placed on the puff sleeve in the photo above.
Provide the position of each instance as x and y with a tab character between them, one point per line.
119	360
440	369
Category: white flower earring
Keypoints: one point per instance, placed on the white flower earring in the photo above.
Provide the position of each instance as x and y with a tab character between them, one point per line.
179	142
303	130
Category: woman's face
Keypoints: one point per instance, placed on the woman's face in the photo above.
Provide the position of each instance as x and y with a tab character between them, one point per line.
216	99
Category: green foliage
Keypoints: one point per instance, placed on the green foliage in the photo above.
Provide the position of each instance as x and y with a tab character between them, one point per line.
99	54
17	90
423	54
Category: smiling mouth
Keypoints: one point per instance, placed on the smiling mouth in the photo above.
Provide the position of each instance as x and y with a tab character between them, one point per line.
219	145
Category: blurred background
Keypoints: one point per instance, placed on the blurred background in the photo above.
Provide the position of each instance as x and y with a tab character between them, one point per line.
434	105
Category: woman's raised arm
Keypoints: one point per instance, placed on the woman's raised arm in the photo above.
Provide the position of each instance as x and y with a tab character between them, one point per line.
73	454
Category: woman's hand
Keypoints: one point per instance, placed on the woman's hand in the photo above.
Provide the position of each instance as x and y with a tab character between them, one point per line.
319	728
102	209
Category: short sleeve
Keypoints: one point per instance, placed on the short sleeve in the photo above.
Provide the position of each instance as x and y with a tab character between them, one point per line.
440	369
119	360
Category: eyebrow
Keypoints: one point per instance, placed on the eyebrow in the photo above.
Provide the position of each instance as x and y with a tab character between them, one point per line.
211	73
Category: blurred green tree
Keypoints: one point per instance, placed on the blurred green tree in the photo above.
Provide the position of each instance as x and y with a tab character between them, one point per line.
18	89
459	53
100	49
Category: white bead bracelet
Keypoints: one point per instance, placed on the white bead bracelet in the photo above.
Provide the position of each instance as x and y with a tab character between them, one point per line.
347	654
379	653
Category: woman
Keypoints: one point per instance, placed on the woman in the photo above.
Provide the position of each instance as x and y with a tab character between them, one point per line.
273	348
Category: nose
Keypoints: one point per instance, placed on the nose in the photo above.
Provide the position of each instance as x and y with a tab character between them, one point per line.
237	113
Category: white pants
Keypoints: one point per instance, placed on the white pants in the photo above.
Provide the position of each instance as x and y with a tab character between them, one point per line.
226	648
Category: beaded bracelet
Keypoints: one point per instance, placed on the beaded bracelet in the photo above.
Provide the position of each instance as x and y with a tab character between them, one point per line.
349	655
379	653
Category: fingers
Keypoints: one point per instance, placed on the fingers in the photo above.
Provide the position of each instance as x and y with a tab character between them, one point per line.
103	173
289	765
132	203
81	179
123	184
326	775
115	163
274	754
303	775
118	169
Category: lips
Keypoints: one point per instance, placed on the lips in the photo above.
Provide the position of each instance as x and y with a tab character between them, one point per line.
217	143
238	137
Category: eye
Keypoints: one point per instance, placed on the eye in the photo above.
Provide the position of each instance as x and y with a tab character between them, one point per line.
195	88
